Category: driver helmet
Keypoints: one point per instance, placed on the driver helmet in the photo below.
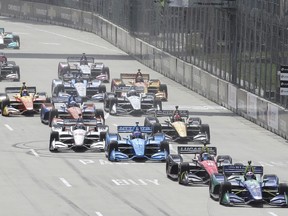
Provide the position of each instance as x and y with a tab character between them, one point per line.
205	156
25	92
177	117
132	93
137	134
73	103
249	175
80	126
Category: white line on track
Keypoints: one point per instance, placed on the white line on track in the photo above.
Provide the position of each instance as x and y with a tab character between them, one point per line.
65	182
47	43
106	115
9	128
34	152
272	213
98	213
74	39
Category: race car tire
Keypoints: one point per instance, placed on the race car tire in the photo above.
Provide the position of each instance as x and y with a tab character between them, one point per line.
195	121
238	164
156	128
102	136
5	102
283	189
183	168
99	113
206	129
102	89
113	145
112	101
163	88
271	178
106	70
17	38
157	103
149	121
52	114
58	88
224	188
164	146
16	70
107	96
3	96
225	157
53	136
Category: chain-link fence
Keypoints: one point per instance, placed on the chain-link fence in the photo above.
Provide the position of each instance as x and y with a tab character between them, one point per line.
243	41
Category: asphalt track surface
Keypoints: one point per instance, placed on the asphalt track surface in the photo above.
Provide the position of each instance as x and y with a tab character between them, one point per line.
34	181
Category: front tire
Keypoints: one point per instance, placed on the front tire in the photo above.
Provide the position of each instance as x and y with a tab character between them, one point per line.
53	136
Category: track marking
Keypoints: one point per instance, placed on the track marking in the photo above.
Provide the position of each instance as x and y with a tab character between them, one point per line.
9	128
115	125
47	43
74	39
65	182
98	213
34	152
106	115
272	213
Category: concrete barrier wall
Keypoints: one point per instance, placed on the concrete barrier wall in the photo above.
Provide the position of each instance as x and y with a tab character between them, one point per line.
248	105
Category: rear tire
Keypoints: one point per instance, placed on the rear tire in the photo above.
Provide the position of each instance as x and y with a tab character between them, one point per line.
206	129
5	103
52	114
183	168
102	89
112	101
224	188
53	136
113	145
164	146
156	128
163	88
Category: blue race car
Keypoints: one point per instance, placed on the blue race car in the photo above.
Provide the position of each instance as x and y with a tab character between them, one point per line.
139	145
234	187
9	40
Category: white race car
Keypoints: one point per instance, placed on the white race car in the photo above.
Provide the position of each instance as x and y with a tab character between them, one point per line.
77	135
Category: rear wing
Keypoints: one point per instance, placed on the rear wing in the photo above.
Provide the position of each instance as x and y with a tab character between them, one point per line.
132	76
139	89
65	99
195	150
78	58
130	129
183	113
232	169
15	90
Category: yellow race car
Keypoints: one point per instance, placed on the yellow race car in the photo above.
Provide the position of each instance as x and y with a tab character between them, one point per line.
150	85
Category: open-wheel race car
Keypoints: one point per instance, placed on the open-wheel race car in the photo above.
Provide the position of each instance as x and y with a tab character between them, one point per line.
150	85
9	71
17	102
197	169
235	187
87	89
138	145
68	107
180	127
88	68
77	135
131	100
9	40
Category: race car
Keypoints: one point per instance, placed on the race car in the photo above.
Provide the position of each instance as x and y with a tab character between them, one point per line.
93	89
234	187
15	102
8	69
182	129
9	40
77	135
150	85
198	169
63	107
88	69
137	145
131	100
